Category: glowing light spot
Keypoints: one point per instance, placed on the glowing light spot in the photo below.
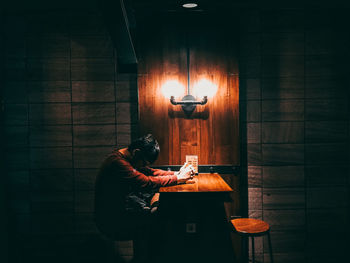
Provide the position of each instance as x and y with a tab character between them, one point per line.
204	88
190	5
173	88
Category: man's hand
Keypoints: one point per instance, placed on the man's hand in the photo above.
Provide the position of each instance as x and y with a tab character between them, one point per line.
186	172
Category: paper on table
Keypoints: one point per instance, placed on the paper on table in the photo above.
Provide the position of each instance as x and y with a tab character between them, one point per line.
193	160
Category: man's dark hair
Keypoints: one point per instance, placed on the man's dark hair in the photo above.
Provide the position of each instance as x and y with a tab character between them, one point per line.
148	146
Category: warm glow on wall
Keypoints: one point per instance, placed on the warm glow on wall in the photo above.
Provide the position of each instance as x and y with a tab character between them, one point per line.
173	88
204	88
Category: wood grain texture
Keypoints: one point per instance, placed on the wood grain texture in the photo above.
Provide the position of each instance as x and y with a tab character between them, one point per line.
250	226
283	132
283	88
211	132
283	110
282	43
200	184
93	91
49	91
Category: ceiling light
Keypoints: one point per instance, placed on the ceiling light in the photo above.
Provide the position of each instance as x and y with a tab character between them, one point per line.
190	5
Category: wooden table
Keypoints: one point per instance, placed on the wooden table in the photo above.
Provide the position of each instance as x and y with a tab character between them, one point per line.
202	183
196	223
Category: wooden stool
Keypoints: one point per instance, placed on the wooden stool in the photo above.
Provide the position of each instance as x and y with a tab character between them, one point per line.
248	227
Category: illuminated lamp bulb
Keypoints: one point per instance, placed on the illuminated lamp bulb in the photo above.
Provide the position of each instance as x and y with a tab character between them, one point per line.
172	88
204	88
190	5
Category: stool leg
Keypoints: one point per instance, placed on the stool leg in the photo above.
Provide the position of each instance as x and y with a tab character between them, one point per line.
243	250
253	250
270	247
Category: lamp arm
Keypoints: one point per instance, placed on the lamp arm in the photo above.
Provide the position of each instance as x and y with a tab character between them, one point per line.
173	101
188	102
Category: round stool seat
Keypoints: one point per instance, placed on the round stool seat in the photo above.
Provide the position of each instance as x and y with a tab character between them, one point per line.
250	226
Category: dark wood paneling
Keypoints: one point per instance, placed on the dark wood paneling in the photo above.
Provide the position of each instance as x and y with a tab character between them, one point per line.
255	198
283	66
124	112
87	23
249	20
50	23
93	91
19	202
11	91
88	135
330	153
285	219
14	43
45	158
250	67
289	241
283	198
283	88
324	42
324	175
254	154
249	88
39	47
50	136
18	180
286	257
283	176
285	20
123	139
21	223
93	113
320	197
321	87
317	250
85	223
255	176
91	46
50	114
53	223
101	69
322	220
283	110
283	154
326	131
85	179
90	157
253	133
126	88
327	109
283	43
252	111
283	132
325	66
57	69
15	69
52	180
17	158
16	114
54	202
49	91
250	44
16	136
84	202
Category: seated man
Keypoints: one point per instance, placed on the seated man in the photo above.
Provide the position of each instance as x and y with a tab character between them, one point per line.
125	186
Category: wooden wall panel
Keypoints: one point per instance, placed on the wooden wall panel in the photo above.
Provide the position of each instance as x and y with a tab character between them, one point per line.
211	132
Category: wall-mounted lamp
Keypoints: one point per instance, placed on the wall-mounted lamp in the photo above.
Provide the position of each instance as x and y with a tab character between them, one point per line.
203	89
